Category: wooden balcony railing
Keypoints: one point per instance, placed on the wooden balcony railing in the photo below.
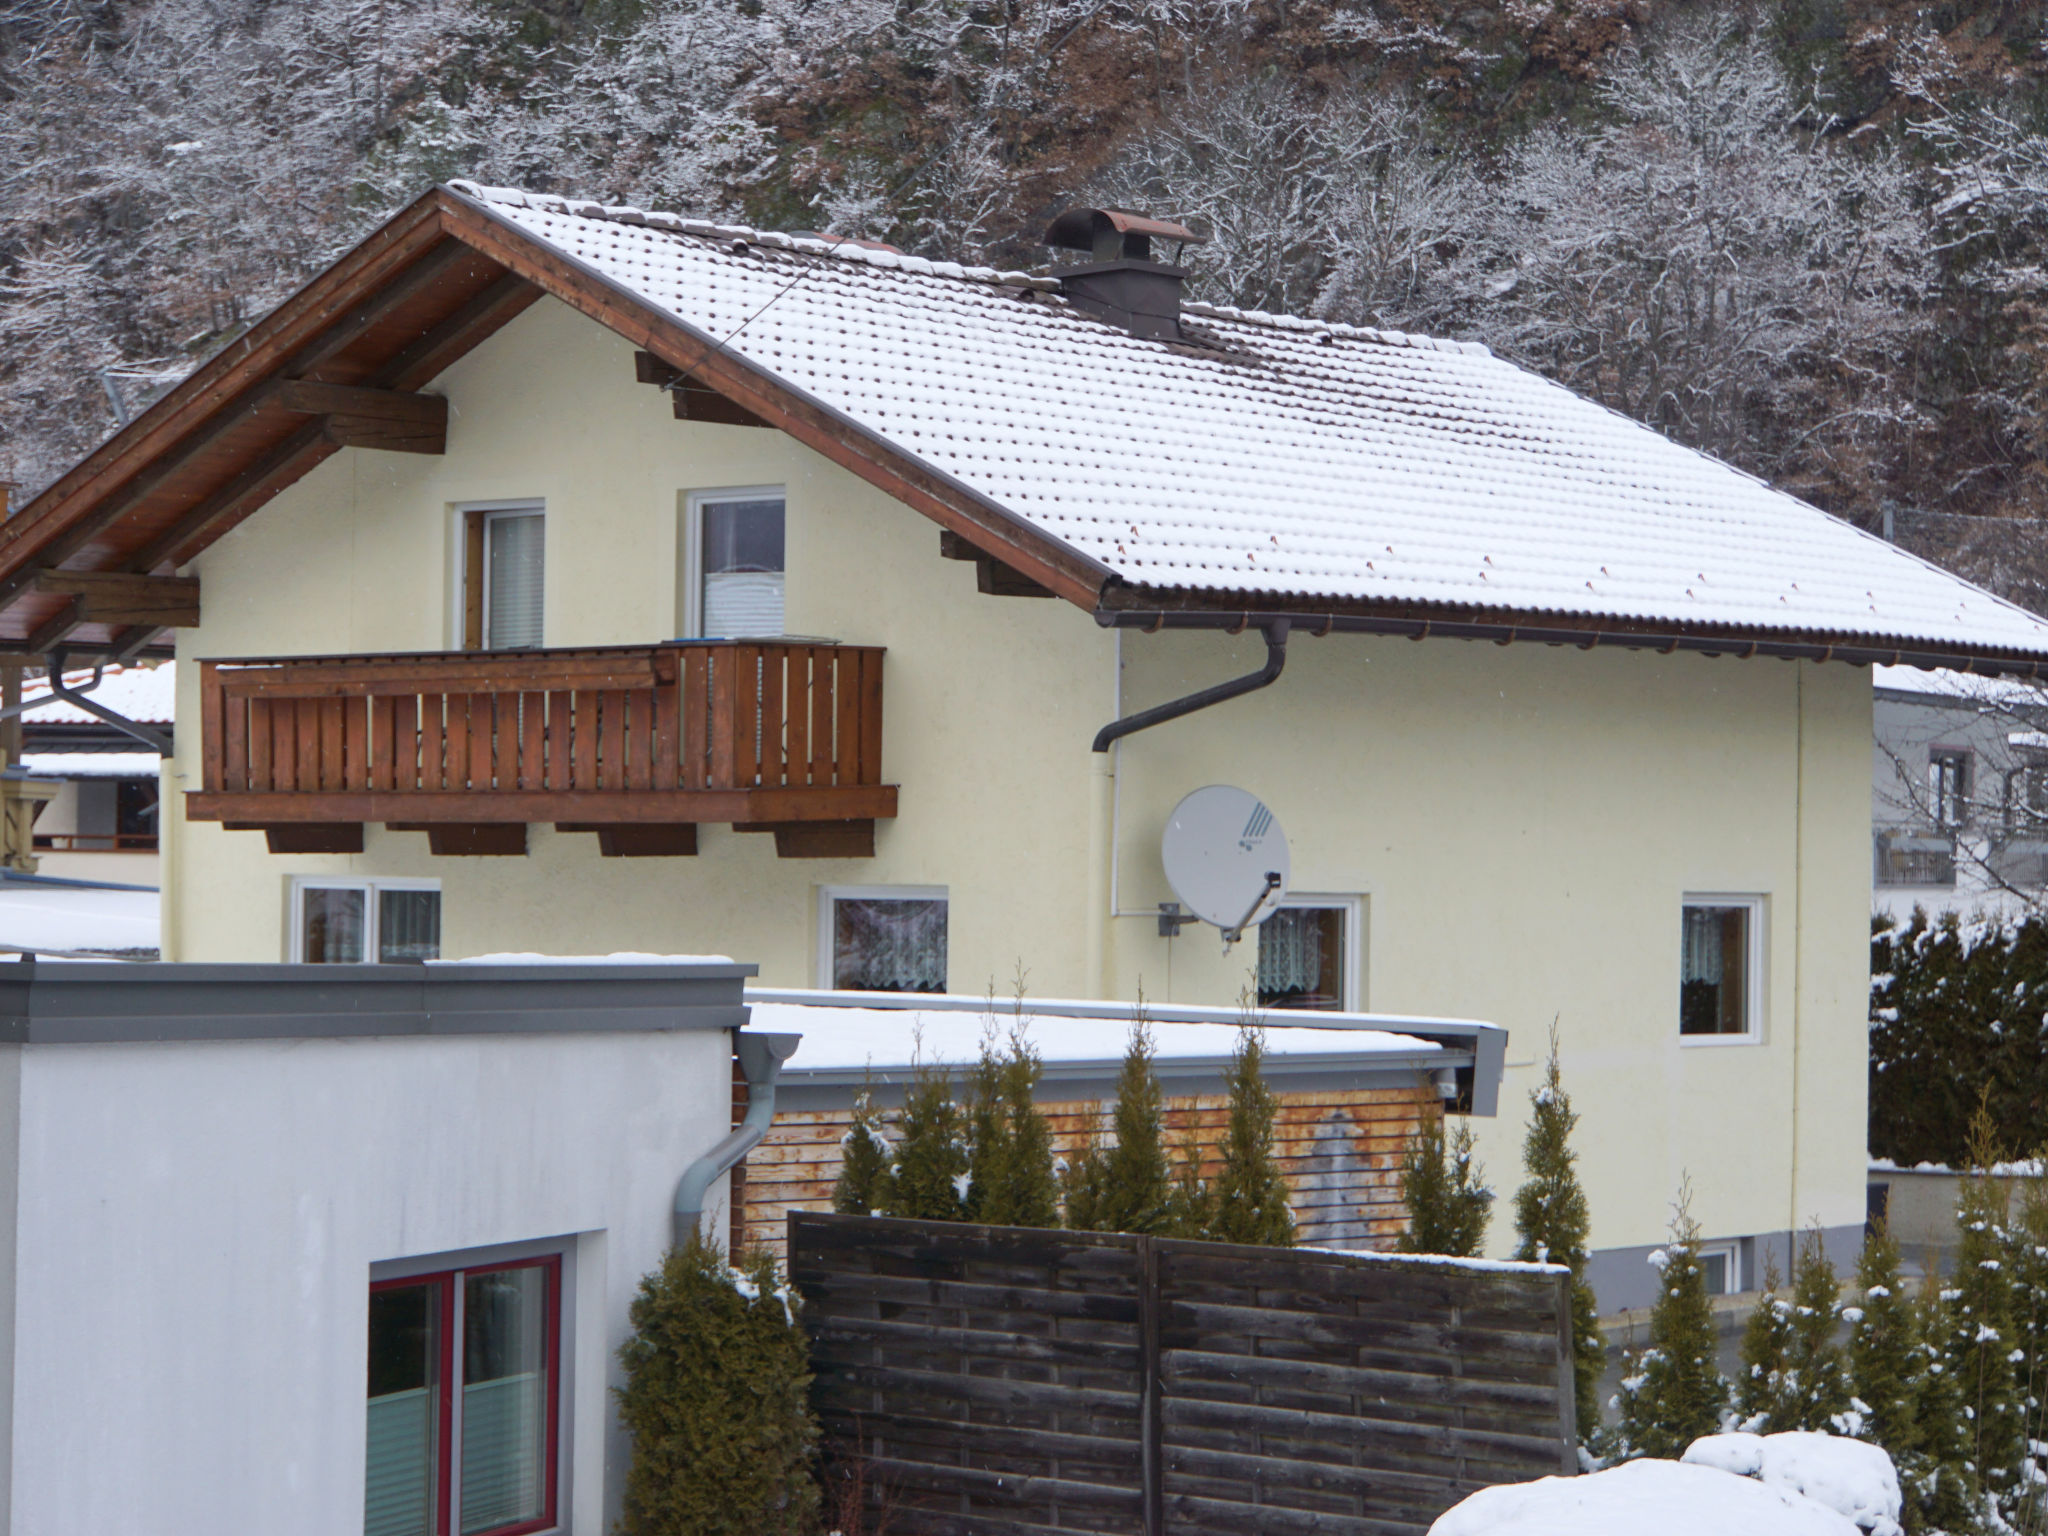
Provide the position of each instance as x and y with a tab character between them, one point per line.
637	744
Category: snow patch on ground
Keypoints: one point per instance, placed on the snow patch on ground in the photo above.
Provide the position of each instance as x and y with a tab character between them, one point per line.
1851	1477
1637	1498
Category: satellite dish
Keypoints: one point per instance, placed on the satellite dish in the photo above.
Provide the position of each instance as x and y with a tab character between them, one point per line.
1226	858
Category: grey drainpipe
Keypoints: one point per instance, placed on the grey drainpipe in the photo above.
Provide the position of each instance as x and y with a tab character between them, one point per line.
1251	682
156	741
761	1059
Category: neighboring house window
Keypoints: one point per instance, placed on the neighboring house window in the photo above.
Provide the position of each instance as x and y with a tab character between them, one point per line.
884	940
1721	1264
1905	858
356	922
1308	955
1719	969
740	564
504	578
464	1419
1948	787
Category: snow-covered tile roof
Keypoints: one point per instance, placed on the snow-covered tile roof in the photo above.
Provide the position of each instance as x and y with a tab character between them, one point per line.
142	693
1293	459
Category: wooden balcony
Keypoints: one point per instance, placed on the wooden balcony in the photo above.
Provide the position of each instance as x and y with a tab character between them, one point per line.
637	744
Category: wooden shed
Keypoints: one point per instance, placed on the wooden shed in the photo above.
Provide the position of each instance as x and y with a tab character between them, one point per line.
1352	1089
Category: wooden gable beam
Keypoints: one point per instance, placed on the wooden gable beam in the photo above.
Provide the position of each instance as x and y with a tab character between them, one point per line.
117	598
692	401
990	574
356	417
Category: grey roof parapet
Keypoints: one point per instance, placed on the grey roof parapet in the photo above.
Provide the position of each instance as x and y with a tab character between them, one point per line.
93	1003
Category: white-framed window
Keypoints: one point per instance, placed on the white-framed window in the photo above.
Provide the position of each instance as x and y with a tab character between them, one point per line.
1312	954
466	1421
341	920
1721	1265
504	575
1948	786
733	564
1721	969
882	938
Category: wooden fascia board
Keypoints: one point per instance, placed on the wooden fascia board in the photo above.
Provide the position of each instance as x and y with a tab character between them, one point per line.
875	459
217	384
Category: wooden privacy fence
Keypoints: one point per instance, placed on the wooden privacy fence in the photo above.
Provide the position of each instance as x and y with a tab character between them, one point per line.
1003	1381
648	733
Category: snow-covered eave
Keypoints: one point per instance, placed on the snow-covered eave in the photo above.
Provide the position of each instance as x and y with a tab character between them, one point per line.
940	495
1474	1050
1149	609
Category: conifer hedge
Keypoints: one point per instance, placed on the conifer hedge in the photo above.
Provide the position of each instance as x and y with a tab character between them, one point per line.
1445	1191
1958	1016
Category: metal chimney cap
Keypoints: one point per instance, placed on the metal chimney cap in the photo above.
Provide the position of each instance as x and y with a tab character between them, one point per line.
1090	229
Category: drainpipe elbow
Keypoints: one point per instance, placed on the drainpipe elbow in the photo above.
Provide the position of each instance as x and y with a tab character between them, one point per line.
761	1058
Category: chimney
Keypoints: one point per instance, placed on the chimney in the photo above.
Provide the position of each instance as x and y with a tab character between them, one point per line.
1123	284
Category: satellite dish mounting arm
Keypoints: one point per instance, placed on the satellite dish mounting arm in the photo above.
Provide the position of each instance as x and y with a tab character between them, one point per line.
1251	682
1232	935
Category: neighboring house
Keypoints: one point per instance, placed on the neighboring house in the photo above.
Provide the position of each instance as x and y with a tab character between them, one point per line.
556	558
102	826
1352	1090
224	1189
1959	792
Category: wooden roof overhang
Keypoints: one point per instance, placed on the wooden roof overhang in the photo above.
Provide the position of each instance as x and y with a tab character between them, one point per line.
85	565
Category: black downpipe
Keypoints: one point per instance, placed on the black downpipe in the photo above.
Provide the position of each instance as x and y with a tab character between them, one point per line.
1251	682
156	741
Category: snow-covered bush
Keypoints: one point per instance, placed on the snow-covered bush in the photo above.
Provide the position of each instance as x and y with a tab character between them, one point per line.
1672	1391
717	1402
1651	1497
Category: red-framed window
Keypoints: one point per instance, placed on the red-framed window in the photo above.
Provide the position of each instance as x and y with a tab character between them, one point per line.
465	1401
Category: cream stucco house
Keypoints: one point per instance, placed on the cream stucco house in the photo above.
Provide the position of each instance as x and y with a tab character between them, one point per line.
579	579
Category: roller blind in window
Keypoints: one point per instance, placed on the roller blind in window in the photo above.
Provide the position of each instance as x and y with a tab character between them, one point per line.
743	569
513	580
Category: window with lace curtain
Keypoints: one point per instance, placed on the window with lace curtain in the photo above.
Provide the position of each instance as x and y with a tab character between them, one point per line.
1305	956
884	940
1720	968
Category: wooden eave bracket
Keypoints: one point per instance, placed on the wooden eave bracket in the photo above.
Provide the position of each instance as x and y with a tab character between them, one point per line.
692	399
353	417
991	575
122	598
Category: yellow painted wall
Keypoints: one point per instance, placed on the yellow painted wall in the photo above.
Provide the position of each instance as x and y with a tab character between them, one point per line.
1521	821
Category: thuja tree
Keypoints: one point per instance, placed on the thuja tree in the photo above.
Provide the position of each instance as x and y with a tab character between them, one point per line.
716	1401
1124	1186
1942	1485
1981	1340
1551	1227
1249	1203
1444	1189
1884	1358
1010	1173
1190	1203
1816	1385
930	1182
2026	1253
867	1163
1766	1338
1672	1391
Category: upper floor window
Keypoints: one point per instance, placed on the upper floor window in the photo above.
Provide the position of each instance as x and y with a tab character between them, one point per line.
1720	967
1948	787
1307	955
884	939
360	922
465	1401
740	564
504	578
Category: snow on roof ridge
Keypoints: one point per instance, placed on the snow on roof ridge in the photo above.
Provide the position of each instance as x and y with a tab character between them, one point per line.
845	248
1335	328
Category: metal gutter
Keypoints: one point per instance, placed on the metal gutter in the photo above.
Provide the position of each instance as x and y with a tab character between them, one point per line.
1856	652
1237	687
761	1057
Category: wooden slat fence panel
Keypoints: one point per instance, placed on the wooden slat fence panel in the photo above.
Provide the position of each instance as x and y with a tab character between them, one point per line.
999	1379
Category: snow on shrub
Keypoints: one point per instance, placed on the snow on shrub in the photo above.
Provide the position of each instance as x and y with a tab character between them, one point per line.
1851	1477
1643	1498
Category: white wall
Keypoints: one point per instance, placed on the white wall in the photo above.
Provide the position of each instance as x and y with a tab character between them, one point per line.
197	1224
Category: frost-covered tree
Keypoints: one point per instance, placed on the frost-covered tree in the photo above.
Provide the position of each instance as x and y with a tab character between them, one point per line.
1445	1191
1552	1223
1672	1391
1981	1340
867	1163
1766	1340
1884	1353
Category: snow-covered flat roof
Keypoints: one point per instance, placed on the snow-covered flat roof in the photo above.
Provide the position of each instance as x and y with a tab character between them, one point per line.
92	765
1287	458
143	693
77	919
